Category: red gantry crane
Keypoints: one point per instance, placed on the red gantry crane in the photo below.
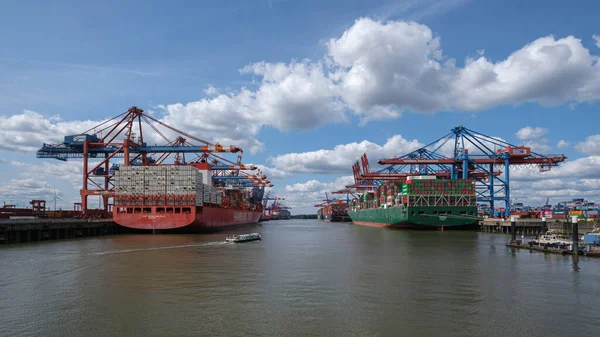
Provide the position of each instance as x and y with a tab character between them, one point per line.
123	139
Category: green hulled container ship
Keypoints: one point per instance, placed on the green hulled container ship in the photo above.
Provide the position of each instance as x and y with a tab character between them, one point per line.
422	202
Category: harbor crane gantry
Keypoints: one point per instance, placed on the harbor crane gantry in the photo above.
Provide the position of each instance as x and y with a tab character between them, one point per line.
368	180
466	154
328	200
269	209
348	193
123	139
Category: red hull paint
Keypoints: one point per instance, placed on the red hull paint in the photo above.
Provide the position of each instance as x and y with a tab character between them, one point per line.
199	219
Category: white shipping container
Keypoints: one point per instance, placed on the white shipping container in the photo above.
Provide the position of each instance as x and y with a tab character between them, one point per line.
428	177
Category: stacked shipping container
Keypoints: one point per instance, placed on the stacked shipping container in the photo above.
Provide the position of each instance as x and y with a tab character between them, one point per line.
419	191
335	209
443	192
166	185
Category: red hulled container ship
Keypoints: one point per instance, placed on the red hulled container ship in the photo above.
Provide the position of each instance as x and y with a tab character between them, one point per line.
179	197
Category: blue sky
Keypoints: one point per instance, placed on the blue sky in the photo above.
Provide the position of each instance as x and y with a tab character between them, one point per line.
72	62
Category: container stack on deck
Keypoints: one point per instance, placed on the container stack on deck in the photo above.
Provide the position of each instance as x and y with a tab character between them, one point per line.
420	202
166	197
418	192
160	186
335	212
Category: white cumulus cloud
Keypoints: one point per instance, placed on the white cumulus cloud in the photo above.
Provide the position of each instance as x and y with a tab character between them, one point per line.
295	96
548	71
590	146
539	146
376	70
341	157
581	168
384	68
21	191
390	67
562	144
528	133
317	186
312	192
27	131
273	173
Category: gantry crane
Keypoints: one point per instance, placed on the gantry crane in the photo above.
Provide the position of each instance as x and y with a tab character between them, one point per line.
268	209
123	139
489	157
348	193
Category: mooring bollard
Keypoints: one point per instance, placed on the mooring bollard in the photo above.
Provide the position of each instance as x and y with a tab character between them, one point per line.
513	229
574	220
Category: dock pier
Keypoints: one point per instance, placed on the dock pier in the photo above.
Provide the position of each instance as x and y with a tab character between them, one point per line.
533	227
19	231
590	250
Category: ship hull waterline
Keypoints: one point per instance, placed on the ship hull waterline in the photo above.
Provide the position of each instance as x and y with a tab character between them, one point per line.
458	218
337	218
204	219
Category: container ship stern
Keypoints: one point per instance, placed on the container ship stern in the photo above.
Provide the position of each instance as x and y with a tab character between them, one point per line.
178	198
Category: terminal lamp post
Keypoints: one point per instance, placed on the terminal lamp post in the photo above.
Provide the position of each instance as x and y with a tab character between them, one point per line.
513	229
544	225
574	220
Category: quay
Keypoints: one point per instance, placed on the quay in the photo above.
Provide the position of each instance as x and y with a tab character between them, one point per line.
531	247
532	227
18	231
566	227
520	245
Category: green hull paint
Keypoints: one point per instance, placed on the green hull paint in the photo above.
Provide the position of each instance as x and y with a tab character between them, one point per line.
417	217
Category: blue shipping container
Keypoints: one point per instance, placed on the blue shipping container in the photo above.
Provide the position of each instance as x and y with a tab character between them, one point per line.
591	238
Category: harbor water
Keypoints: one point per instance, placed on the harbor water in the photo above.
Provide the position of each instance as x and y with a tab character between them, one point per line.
305	278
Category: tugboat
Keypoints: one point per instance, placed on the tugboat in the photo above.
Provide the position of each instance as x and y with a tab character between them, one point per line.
243	237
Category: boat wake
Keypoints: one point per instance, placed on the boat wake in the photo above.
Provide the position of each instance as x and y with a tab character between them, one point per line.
133	250
110	252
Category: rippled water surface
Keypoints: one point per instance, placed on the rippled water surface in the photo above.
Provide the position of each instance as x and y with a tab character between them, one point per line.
306	278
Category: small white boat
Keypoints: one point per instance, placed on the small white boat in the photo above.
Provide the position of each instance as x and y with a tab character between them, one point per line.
553	238
243	237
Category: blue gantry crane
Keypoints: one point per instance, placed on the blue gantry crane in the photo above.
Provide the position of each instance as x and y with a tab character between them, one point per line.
466	154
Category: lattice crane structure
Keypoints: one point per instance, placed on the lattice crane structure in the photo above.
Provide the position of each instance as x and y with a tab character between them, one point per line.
464	154
123	140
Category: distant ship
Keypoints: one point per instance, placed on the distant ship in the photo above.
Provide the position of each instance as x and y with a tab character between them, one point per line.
284	214
336	212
